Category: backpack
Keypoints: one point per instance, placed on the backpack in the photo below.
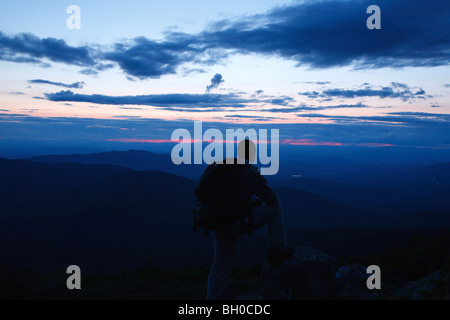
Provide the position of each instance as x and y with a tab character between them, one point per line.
218	206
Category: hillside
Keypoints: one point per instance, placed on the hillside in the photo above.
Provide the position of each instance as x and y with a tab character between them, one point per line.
370	186
133	159
118	217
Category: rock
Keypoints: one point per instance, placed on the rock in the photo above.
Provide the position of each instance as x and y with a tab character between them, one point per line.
249	296
351	283
310	274
353	275
433	286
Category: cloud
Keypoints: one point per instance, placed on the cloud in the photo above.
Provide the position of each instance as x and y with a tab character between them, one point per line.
69	130
215	82
17	93
280	101
307	108
126	117
191	109
307	33
381	93
320	83
310	94
399	85
101	126
422	114
254	118
331	33
89	72
392	118
28	48
309	142
75	85
131	108
185	102
144	58
398	90
202	109
181	102
156	100
318	34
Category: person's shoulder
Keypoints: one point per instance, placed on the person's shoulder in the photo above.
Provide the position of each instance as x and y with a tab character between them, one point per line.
252	168
250	171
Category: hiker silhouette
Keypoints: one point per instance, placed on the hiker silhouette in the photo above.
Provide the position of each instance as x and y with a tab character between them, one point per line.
233	198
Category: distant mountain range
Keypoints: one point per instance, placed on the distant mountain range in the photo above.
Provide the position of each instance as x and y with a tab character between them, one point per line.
132	159
56	212
381	189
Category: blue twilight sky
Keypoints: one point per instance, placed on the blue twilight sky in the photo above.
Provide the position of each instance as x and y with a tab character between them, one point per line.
136	70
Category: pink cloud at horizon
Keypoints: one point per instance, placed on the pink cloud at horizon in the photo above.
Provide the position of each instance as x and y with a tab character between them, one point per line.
293	142
309	142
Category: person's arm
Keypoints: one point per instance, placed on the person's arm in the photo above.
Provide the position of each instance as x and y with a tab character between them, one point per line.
261	189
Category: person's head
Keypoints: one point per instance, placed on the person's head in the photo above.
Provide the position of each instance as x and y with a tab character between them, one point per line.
246	150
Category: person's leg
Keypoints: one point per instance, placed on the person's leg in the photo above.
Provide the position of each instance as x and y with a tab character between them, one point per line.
279	251
273	217
225	252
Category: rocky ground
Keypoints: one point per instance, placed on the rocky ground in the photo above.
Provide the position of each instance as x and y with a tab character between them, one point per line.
312	274
411	273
